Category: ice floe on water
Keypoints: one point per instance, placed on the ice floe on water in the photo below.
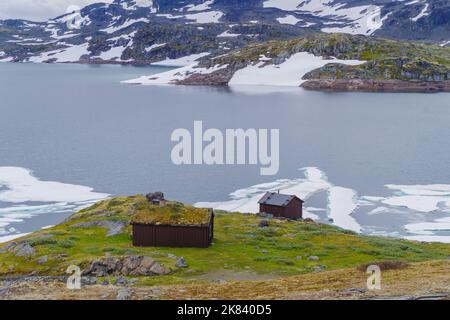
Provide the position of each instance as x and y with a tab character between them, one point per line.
23	196
342	202
423	198
21	186
428	228
412	203
437	230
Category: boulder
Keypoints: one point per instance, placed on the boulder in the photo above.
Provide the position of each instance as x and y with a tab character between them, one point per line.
263	223
104	267
121	281
319	268
8	247
42	260
155	196
128	266
313	258
23	250
181	263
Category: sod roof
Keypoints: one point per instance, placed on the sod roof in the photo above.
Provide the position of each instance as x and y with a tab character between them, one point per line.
173	213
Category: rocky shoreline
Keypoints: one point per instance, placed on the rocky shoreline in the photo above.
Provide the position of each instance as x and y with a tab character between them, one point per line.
377	85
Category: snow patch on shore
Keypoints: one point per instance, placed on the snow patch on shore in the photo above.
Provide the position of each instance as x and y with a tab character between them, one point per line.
69	54
288	73
170	77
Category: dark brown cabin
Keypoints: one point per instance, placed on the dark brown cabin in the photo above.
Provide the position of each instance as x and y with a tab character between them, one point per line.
281	205
173	225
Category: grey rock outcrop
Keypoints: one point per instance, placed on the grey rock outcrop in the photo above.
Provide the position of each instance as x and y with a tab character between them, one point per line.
128	266
114	227
23	250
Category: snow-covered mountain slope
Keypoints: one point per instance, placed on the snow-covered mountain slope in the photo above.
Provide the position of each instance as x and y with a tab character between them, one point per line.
134	31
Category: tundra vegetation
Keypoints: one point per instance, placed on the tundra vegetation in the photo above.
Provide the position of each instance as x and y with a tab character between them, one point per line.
242	244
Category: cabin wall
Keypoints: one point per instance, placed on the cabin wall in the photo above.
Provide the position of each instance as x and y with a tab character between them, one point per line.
293	211
274	210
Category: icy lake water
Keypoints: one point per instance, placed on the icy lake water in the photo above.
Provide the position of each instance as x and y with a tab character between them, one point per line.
73	134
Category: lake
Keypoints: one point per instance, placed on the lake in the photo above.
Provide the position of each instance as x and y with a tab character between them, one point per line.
73	134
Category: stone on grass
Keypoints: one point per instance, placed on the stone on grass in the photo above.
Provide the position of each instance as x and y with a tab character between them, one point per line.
181	263
128	266
42	260
263	223
23	250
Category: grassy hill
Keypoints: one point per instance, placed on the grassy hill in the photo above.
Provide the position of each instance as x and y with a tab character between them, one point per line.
242	249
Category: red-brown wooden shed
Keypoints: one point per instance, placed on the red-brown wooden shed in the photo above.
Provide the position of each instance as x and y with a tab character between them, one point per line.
281	205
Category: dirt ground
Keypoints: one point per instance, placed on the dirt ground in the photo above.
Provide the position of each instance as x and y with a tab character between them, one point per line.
427	280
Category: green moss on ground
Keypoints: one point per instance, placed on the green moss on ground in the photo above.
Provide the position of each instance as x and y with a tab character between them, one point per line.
240	245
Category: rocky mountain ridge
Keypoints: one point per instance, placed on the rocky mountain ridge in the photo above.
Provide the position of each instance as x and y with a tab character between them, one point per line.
144	31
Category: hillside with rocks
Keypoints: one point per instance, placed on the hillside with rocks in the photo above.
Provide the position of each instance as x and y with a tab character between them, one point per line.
248	251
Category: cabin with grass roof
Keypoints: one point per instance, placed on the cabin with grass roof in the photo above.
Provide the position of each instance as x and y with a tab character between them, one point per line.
173	225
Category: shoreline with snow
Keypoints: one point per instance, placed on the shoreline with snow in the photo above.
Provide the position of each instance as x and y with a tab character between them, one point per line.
289	73
292	72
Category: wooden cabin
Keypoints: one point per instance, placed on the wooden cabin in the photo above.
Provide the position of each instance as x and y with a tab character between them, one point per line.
281	205
172	225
